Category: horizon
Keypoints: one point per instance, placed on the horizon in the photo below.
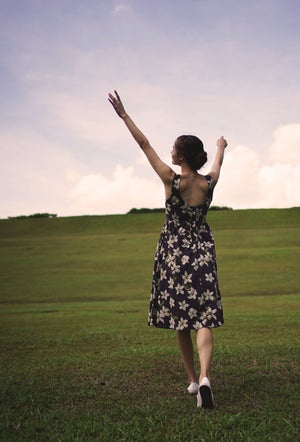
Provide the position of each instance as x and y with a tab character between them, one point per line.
139	211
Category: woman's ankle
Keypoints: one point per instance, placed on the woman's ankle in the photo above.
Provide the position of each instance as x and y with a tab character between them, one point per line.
204	376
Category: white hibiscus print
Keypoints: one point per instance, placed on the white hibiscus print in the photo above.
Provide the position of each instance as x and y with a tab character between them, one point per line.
185	259
175	268
192	313
183	305
195	264
160	316
179	289
202	260
186	278
164	295
208	257
163	274
164	312
171	283
172	240
208	295
172	323
183	323
177	252
210	313
192	293
171	260
209	277
186	243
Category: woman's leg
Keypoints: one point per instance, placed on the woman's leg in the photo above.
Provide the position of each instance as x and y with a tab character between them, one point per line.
205	348
186	347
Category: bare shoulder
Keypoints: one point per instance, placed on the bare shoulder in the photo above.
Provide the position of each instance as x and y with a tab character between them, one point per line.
195	182
203	183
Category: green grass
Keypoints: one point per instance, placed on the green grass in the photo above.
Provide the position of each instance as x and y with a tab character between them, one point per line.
78	361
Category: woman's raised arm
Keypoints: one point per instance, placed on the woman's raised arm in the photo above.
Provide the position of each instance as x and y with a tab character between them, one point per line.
216	166
163	170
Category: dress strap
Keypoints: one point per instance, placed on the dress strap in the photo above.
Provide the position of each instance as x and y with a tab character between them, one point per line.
210	181
176	182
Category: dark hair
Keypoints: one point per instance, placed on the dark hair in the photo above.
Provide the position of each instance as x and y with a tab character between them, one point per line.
192	149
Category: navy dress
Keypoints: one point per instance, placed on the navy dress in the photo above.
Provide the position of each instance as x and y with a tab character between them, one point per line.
185	292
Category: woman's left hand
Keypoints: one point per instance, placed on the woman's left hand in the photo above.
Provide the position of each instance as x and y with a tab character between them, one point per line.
222	142
117	104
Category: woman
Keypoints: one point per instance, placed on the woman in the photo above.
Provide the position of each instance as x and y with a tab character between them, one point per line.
185	294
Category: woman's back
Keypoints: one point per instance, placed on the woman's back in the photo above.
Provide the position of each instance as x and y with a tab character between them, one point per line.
193	189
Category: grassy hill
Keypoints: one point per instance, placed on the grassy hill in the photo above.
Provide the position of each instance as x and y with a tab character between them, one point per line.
92	256
149	222
78	361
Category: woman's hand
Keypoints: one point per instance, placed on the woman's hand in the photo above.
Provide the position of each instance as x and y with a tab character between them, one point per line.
117	104
217	163
222	142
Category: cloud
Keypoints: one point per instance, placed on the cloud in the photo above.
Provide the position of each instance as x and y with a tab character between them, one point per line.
35	174
246	183
280	184
95	194
285	148
41	176
238	185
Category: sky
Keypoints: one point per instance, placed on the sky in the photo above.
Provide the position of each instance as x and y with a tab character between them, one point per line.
201	67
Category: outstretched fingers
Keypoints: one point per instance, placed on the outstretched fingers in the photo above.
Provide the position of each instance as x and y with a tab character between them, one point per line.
112	99
117	104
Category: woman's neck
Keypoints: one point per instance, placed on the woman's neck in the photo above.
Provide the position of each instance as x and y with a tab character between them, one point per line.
187	171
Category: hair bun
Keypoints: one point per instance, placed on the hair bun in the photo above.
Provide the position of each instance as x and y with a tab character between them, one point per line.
200	159
192	149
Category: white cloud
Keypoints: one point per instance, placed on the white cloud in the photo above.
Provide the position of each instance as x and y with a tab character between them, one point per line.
246	183
95	194
238	186
286	146
281	185
35	174
41	176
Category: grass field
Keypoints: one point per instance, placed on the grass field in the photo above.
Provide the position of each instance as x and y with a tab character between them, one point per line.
78	361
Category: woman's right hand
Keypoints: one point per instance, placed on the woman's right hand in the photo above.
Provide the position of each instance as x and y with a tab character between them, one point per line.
222	142
117	104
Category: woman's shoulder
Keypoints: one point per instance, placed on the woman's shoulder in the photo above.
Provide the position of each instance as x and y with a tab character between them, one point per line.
204	181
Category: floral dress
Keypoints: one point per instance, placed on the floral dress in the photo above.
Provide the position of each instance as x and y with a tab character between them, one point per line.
185	292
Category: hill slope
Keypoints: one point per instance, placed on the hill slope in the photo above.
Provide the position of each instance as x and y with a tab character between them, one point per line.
111	257
145	223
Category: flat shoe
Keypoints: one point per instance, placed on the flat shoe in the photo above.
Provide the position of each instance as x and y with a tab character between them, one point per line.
193	388
205	398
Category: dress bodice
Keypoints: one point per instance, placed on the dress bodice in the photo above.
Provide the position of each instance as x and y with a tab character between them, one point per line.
179	214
